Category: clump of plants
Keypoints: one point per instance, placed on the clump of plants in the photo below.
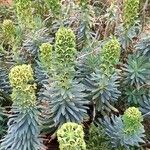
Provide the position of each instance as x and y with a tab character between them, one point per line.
72	103
74	71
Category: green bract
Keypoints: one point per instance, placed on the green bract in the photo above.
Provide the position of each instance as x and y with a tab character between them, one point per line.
130	12
54	6
64	80
71	137
24	97
8	30
119	137
20	75
46	55
132	119
110	54
65	47
111	51
23	93
24	13
8	27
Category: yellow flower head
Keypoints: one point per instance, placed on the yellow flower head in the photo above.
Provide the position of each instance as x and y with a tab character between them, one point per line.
132	119
71	136
20	75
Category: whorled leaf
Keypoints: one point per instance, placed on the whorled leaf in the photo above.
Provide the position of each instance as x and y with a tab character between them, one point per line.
34	40
137	70
103	89
67	105
23	131
115	130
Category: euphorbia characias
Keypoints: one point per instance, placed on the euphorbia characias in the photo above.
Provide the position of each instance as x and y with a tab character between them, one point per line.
54	6
130	12
8	30
132	119
65	46
71	105
110	55
45	56
23	125
24	13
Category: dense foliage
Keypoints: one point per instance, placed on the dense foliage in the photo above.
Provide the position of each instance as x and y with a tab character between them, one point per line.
74	71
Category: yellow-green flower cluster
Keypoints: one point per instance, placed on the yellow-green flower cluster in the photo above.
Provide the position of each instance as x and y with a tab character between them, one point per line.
24	98
24	13
46	55
23	93
132	119
110	54
8	28
65	47
63	80
65	55
130	12
111	51
20	75
71	137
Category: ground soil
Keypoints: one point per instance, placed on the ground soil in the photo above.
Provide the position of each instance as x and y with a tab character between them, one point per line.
6	2
53	145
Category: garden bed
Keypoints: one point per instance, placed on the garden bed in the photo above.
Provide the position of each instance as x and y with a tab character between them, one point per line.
74	74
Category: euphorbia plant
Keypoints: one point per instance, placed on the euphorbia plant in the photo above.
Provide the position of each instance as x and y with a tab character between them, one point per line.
11	38
23	125
110	55
8	28
24	14
45	56
54	6
125	131
130	12
100	76
65	94
136	77
130	27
